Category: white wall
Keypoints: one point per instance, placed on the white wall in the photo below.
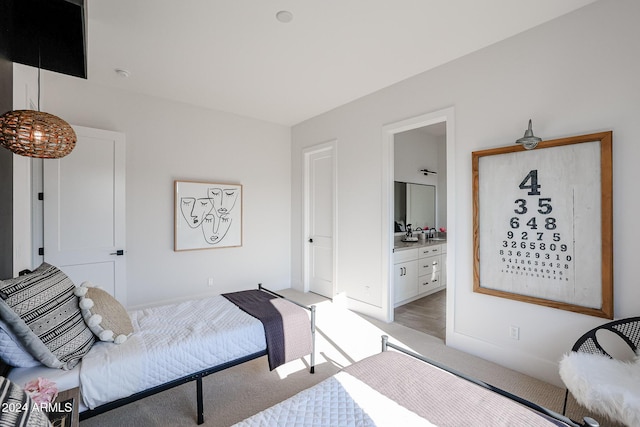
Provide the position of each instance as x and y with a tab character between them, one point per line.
415	150
575	75
168	141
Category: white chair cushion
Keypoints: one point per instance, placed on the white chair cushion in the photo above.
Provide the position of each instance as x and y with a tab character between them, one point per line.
606	386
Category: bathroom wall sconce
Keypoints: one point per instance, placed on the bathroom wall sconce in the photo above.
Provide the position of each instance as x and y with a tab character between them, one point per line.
426	172
529	141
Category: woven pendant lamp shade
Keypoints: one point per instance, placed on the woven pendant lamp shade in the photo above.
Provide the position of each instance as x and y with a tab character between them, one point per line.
36	134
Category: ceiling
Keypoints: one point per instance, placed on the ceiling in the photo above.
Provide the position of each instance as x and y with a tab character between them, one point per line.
235	56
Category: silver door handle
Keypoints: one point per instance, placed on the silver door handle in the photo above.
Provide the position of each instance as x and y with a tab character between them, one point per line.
119	252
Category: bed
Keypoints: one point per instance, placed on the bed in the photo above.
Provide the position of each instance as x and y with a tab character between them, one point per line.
174	344
403	388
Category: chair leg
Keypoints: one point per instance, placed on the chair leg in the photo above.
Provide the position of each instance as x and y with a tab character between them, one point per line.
566	396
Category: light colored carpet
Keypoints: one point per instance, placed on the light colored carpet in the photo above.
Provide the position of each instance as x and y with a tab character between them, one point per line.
342	338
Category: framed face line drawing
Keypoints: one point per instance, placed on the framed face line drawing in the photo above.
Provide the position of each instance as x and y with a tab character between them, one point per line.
207	215
543	223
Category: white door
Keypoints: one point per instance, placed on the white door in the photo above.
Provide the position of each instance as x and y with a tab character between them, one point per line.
319	219
84	211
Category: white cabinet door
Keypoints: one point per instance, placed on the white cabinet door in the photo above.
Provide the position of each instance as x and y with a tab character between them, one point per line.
404	279
84	211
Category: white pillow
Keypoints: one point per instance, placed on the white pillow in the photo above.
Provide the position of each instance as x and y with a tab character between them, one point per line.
12	352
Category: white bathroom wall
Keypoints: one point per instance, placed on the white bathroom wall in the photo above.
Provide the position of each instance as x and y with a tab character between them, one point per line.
415	150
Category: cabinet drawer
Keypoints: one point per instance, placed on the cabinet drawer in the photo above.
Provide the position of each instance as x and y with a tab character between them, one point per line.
430	251
429	282
429	265
405	255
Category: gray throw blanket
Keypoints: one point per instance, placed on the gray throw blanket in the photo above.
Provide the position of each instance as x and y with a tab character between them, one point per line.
277	316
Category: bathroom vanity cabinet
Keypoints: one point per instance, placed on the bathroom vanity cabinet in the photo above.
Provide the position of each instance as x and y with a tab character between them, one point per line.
418	271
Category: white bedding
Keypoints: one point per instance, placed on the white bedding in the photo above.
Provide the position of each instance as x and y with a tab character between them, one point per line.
339	401
393	389
168	343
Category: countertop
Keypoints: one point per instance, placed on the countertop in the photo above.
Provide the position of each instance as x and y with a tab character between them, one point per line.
399	245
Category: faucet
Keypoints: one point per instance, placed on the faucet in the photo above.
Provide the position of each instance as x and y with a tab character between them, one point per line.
431	233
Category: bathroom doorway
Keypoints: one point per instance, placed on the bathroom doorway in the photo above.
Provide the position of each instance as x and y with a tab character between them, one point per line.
420	157
419	152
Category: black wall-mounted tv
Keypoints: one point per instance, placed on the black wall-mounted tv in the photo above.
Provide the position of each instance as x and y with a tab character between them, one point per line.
50	34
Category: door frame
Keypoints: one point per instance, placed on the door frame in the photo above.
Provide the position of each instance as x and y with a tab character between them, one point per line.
388	134
331	145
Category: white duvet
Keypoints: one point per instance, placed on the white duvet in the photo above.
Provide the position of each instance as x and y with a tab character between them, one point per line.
339	401
168	343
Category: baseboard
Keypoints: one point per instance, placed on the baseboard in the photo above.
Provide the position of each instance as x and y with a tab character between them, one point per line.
544	370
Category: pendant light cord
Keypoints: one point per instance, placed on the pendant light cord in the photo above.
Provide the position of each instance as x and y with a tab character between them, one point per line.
39	64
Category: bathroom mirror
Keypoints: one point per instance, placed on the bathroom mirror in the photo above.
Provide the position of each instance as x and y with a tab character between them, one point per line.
414	204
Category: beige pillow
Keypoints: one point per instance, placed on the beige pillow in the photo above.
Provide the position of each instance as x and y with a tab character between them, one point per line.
104	315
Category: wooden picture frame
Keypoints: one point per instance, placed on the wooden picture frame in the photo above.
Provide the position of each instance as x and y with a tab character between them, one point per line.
543	223
207	215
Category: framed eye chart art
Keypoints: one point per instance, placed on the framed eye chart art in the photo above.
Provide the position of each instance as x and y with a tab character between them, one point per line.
207	215
542	223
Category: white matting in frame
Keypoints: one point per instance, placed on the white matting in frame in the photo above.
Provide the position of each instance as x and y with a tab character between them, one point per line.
207	215
543	223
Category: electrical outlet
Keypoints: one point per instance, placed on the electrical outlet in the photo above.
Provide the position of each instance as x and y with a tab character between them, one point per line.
514	332
210	281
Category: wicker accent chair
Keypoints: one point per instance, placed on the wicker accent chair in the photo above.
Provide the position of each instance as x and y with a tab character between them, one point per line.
627	329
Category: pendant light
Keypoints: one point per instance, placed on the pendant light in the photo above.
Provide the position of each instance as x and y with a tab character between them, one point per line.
36	134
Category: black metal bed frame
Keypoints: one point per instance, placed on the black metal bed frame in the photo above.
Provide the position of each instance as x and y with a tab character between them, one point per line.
198	376
588	421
